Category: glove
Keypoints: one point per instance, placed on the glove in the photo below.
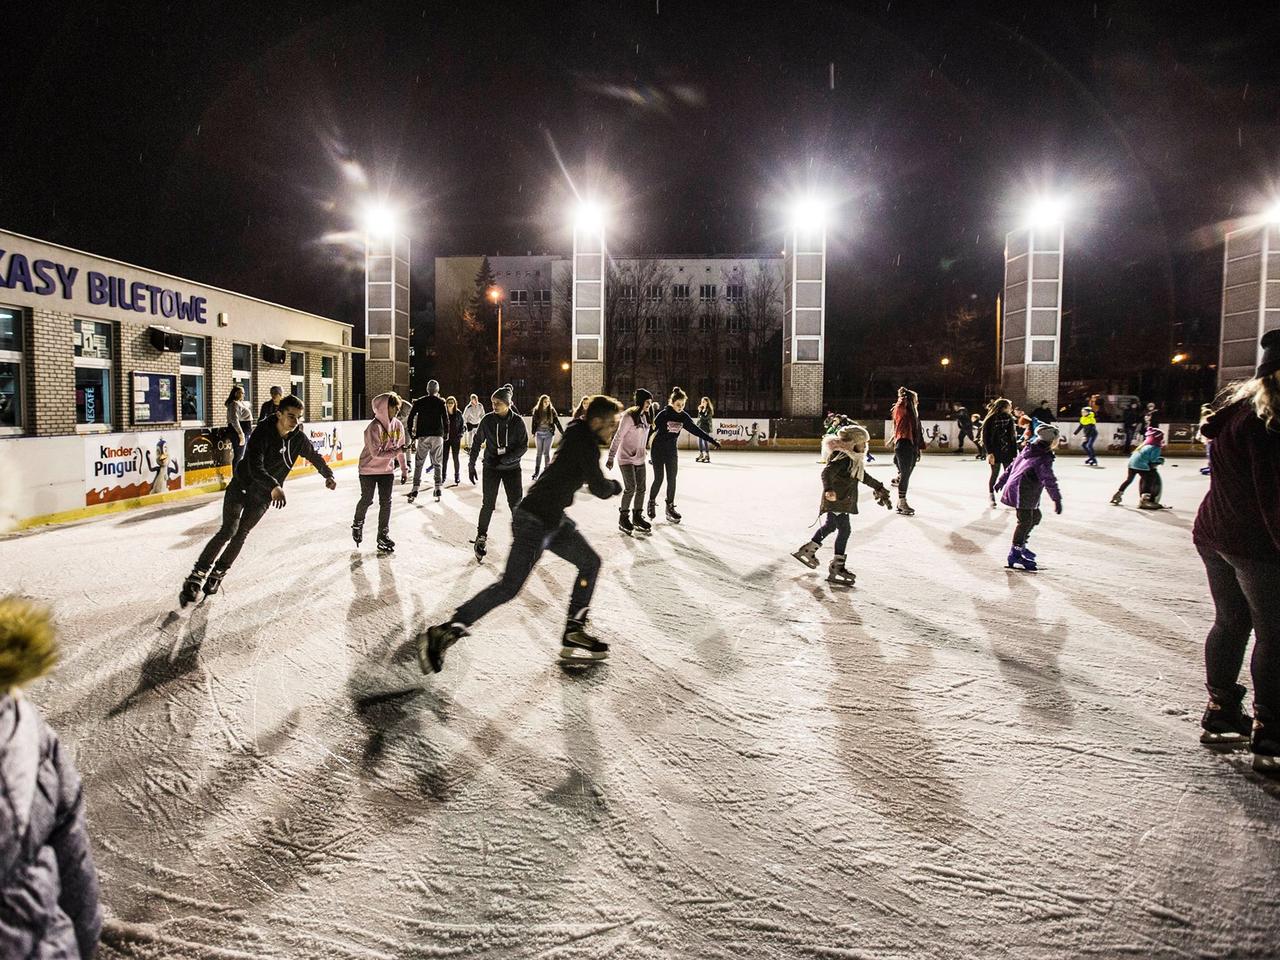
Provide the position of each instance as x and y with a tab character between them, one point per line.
716	443
882	498
1057	507
471	472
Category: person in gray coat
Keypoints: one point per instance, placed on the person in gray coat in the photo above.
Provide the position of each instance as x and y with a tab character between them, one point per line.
48	885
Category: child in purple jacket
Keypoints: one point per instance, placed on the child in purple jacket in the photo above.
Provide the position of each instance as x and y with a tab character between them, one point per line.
1030	474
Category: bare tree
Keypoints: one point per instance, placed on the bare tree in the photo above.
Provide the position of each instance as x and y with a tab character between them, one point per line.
758	315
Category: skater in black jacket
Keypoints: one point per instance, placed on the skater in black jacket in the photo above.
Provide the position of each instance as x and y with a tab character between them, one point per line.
664	456
505	441
453	443
539	524
256	486
428	427
1000	440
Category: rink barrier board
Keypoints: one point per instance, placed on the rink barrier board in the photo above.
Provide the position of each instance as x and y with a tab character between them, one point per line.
1180	438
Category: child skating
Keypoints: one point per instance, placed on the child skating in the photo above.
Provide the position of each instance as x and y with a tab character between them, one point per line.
538	524
1029	476
385	443
1143	465
845	468
665	457
1089	427
628	448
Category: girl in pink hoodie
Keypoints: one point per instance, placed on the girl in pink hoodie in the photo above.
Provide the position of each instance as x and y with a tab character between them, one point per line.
628	448
384	447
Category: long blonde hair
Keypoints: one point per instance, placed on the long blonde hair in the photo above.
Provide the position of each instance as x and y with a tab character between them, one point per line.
1263	394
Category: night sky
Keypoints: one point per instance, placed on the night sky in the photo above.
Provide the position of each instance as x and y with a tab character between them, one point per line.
226	143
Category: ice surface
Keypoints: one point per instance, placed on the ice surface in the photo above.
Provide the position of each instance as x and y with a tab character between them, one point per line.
951	760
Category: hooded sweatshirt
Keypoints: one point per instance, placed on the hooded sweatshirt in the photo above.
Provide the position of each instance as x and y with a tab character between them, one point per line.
268	458
1240	515
384	442
845	469
505	441
48	884
629	441
473	413
1030	475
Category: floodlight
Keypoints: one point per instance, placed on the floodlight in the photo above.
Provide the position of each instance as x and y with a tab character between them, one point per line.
1046	212
808	214
379	220
1273	213
589	216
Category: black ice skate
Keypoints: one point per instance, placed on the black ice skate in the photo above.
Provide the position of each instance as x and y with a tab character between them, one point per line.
436	494
837	574
433	644
191	588
386	546
1266	742
672	515
808	555
652	509
1225	725
1116	498
579	646
625	524
357	533
904	508
478	544
638	521
214	582
412	495
1148	502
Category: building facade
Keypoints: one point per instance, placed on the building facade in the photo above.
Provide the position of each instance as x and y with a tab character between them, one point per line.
91	345
712	325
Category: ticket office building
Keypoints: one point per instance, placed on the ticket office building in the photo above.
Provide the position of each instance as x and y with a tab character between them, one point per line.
91	345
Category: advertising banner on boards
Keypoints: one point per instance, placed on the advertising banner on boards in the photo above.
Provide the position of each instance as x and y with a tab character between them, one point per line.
120	466
208	455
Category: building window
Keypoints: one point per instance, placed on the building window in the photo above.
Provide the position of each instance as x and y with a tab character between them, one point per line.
326	380
733	386
707	292
680	324
652	324
706	324
192	371
542	296
736	323
242	369
654	355
298	375
680	292
734	355
93	353
11	320
627	354
735	292
628	291
519	296
626	324
653	292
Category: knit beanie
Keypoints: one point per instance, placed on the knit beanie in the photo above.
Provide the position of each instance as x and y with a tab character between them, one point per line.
1047	433
1270	362
1155	436
642	396
503	394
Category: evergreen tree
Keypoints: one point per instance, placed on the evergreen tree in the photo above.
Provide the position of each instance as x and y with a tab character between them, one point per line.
482	332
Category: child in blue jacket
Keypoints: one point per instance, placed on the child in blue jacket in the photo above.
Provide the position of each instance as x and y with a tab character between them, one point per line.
1143	464
1023	481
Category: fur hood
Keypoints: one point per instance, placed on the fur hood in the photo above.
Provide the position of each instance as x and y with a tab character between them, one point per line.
832	445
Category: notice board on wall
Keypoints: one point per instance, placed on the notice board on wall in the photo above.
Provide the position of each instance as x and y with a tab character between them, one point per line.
155	398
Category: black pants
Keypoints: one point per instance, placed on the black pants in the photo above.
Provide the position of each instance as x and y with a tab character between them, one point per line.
382	483
1149	482
1246	595
839	523
1028	520
963	438
529	538
451	449
996	469
632	484
1129	433
240	514
904	458
490	482
664	462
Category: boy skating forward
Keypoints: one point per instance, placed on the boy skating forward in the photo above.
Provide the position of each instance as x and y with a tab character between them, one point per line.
539	524
505	440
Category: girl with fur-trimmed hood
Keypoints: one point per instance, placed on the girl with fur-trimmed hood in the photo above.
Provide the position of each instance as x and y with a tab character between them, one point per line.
845	457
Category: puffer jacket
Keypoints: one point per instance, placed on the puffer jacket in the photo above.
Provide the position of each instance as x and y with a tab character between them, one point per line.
48	885
841	475
384	442
1030	474
1146	456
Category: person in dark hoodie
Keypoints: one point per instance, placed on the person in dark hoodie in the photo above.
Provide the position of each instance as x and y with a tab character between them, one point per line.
1030	475
964	429
271	404
453	444
1000	440
256	486
538	524
48	883
1237	534
428	427
505	440
665	457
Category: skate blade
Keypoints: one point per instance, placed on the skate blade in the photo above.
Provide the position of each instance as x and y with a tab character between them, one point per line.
1266	765
1224	741
624	530
578	655
811	564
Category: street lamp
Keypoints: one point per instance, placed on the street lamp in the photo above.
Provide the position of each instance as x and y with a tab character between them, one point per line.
946	365
495	297
564	365
1179	358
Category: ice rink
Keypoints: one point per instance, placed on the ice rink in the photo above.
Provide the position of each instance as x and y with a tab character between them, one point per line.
951	760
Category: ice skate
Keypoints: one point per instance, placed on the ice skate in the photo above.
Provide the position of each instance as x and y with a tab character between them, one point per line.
191	587
412	495
808	555
1265	742
436	494
1018	559
579	646
993	499
478	545
672	515
432	645
212	585
837	574
652	509
625	524
1225	725
1148	502
904	508
357	533
386	546
1115	500
640	524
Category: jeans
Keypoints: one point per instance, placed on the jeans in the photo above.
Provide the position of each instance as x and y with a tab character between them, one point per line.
529	538
704	448
382	483
237	445
904	458
542	440
1028	520
664	463
1246	595
1090	438
490	481
632	484
839	522
240	514
451	449
429	448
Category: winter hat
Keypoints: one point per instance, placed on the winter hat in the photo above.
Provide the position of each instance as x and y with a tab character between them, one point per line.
1047	433
1155	436
28	644
641	397
1270	354
503	394
853	433
433	387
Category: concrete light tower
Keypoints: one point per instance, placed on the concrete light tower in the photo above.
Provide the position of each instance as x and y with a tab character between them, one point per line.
804	309
1031	334
386	302
589	275
1250	295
